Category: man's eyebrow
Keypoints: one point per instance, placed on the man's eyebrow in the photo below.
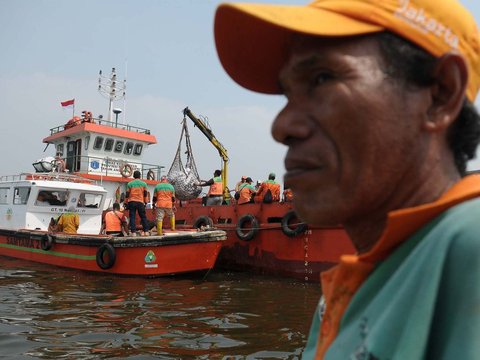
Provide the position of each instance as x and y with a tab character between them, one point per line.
308	62
301	66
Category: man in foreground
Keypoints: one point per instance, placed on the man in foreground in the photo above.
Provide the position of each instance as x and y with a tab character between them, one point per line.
379	124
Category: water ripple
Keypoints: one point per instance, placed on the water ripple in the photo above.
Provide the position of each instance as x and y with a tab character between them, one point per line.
48	313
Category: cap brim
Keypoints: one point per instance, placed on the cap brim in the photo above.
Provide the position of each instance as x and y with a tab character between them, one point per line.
251	39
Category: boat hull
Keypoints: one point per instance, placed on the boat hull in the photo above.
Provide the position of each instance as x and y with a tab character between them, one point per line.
174	253
274	249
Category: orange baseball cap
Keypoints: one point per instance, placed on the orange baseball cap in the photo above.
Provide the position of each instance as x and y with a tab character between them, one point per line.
252	39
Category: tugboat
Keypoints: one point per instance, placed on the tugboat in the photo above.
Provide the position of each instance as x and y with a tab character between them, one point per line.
261	238
29	203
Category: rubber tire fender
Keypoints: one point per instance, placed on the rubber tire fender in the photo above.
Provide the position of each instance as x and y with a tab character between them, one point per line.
111	256
287	230
150	175
203	221
46	242
253	228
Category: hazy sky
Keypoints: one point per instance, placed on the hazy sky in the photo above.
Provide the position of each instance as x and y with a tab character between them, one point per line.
51	51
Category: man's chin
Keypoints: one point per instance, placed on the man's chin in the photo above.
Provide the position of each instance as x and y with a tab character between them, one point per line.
314	215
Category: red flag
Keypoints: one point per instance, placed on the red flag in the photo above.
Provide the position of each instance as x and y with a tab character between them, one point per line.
68	102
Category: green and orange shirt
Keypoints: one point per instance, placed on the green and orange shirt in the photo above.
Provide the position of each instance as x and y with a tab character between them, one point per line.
271	185
137	191
216	189
164	195
246	192
415	294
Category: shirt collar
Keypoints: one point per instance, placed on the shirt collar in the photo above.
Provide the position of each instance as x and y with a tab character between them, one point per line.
404	222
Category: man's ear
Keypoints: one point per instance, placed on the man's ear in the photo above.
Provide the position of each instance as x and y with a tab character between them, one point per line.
448	91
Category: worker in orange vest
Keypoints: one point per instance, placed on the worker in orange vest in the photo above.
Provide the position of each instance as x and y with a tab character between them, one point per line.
269	191
115	222
137	198
215	193
287	194
163	200
247	192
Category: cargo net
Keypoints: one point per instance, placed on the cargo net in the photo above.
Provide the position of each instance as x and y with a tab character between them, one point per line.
184	177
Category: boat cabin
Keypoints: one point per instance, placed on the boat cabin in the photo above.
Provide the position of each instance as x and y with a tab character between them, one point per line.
29	201
102	148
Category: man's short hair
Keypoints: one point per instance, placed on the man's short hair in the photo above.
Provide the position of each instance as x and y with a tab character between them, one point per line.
136	174
410	65
217	172
116	206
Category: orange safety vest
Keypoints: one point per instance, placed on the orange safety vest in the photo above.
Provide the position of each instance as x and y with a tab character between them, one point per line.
137	191
287	195
216	188
164	194
269	185
246	192
113	222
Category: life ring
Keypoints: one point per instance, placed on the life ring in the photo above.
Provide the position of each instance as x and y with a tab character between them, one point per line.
251	230
110	258
126	170
203	221
46	242
297	229
150	175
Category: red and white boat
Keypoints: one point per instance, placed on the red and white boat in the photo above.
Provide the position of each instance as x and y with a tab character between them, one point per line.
264	238
24	234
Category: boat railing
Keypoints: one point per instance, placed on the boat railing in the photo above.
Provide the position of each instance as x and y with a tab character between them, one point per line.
103	122
111	166
49	176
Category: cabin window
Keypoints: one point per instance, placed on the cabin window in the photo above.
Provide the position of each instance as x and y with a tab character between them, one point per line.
4	195
87	142
52	197
20	195
60	149
118	146
98	143
89	200
138	149
128	148
109	144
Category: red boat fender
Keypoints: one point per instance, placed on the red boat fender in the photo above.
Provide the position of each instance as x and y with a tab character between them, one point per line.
203	221
46	242
249	223
298	228
106	262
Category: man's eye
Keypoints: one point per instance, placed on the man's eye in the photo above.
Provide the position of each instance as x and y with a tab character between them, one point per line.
322	77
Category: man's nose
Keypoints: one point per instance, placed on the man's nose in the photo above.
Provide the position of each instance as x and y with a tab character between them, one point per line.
291	123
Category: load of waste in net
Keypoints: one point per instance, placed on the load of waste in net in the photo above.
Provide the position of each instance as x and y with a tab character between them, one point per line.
184	178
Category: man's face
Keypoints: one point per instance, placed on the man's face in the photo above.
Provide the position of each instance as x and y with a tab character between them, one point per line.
354	135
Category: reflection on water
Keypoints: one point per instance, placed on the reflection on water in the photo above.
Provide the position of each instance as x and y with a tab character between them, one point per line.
48	312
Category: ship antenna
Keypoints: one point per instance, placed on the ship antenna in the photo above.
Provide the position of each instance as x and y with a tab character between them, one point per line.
112	89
